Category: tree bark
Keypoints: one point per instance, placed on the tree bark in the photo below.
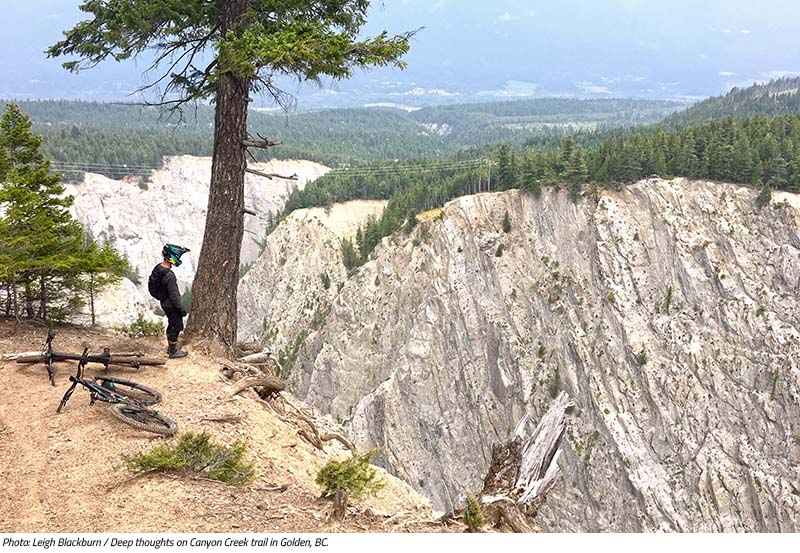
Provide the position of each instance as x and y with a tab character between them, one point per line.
42	298
91	296
29	301
213	314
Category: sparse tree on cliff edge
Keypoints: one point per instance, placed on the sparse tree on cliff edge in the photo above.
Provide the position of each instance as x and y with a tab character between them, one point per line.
223	50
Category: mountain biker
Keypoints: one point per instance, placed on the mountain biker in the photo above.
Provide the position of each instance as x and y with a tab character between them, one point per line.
164	286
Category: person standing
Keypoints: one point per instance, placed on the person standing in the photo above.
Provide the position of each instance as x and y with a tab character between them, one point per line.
163	285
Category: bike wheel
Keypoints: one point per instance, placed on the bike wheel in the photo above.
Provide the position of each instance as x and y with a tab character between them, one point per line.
131	390
144	419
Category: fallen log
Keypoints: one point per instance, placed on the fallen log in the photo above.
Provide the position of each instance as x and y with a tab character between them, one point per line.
14	356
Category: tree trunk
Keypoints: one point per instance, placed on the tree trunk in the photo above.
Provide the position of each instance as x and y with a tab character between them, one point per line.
29	301
16	302
8	298
213	314
42	298
91	296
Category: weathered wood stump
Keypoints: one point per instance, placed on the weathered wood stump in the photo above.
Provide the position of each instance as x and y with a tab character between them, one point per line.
524	470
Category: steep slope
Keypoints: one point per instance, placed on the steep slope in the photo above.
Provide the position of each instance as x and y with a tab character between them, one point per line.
667	310
291	284
63	473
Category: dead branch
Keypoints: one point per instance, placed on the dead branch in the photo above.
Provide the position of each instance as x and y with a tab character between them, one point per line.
282	488
270	175
256	358
246	211
269	384
264	144
223	418
14	356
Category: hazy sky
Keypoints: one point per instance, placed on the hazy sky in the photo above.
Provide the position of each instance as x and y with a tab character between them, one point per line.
503	48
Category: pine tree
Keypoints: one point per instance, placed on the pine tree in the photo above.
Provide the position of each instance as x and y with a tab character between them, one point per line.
505	169
764	196
41	245
243	45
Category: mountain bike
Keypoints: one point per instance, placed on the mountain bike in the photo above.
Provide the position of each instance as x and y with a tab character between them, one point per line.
129	400
48	357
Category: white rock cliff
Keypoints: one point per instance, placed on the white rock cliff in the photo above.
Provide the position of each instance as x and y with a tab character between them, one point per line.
668	310
172	208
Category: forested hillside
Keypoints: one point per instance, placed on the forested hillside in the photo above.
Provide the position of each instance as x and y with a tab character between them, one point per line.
123	139
777	97
757	150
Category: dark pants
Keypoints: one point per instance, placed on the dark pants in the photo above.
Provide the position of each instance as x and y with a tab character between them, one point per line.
175	323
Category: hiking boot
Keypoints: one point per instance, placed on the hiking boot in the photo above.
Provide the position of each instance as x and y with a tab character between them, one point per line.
175	353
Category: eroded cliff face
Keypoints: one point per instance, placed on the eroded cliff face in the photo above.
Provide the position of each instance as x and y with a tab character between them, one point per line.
172	208
288	290
667	310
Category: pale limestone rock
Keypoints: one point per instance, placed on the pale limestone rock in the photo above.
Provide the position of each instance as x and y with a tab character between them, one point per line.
172	208
284	294
433	352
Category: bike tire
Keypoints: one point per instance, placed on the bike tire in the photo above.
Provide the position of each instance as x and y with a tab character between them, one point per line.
136	361
144	419
129	389
30	359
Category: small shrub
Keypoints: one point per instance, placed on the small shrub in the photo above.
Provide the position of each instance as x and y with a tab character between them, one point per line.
641	357
610	297
668	300
555	384
141	327
764	196
473	515
759	311
506	223
499	251
353	474
326	280
196	455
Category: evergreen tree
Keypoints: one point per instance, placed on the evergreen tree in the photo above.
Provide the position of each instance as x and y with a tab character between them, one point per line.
764	196
41	245
243	45
505	169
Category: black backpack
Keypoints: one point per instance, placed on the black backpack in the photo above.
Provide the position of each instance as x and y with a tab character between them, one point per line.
155	285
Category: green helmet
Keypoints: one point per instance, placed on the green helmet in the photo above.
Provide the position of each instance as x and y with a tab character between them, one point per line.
173	253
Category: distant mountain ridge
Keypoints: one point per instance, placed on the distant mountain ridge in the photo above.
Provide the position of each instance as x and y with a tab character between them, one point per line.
777	97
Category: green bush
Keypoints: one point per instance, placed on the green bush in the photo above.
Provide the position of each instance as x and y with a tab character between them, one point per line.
196	455
141	327
473	515
353	474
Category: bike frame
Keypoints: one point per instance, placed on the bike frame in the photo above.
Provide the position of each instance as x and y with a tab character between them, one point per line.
96	392
104	358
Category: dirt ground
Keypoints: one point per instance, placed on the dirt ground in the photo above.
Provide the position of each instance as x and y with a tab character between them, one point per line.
62	472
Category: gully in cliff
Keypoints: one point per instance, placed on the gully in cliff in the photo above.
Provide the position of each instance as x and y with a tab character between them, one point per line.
163	286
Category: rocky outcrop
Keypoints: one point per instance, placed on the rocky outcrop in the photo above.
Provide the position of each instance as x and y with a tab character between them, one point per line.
288	290
170	206
667	310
